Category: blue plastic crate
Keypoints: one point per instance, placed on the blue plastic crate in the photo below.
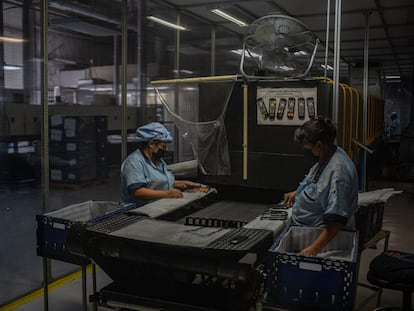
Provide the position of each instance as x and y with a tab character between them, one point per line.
53	226
301	282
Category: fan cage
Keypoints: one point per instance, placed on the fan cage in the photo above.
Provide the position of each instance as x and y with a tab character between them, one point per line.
279	46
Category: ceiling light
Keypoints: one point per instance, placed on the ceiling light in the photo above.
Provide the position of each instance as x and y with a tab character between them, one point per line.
11	67
166	23
246	54
300	53
284	68
11	40
328	67
392	77
64	61
184	71
229	17
393	81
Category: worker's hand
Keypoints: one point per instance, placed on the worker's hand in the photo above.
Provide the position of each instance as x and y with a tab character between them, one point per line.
289	198
185	184
173	194
310	251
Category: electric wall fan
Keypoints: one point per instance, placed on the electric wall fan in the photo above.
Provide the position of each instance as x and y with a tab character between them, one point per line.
279	46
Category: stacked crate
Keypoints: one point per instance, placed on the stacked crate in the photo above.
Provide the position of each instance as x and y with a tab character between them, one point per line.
77	149
101	125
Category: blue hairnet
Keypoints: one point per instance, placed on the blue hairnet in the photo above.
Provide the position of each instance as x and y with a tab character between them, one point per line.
153	131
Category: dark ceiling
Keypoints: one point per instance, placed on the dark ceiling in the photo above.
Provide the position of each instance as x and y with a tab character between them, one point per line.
391	25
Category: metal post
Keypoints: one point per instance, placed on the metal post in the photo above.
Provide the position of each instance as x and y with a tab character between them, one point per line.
45	284
337	53
124	66
115	84
328	14
94	287
177	49
245	129
213	51
176	88
365	104
27	51
84	289
44	95
3	127
141	63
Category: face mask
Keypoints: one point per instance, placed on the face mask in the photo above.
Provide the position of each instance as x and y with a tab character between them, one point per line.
159	154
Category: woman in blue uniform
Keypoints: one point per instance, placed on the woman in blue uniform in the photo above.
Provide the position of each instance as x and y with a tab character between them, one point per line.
328	195
144	174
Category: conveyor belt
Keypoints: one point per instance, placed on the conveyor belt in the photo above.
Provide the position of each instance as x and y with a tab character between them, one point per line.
115	223
239	239
230	210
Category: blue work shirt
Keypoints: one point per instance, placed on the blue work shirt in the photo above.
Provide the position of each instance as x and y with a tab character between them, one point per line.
395	128
138	171
332	198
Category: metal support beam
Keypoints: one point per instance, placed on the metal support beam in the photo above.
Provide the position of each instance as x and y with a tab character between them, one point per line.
115	84
363	170
213	51
124	66
176	88
141	63
44	94
3	127
328	14
337	53
27	21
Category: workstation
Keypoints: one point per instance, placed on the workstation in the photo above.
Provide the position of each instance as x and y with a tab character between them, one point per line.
233	241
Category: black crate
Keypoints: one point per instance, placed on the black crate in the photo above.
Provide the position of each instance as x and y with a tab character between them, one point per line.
72	128
59	147
73	159
312	282
53	226
368	220
73	175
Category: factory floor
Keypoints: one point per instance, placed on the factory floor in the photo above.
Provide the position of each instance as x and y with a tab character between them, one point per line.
66	291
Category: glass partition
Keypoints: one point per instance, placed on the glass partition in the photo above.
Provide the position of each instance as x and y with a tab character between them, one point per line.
228	51
88	120
83	70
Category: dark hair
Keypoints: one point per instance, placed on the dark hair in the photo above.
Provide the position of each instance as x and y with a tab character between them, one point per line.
142	145
319	128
